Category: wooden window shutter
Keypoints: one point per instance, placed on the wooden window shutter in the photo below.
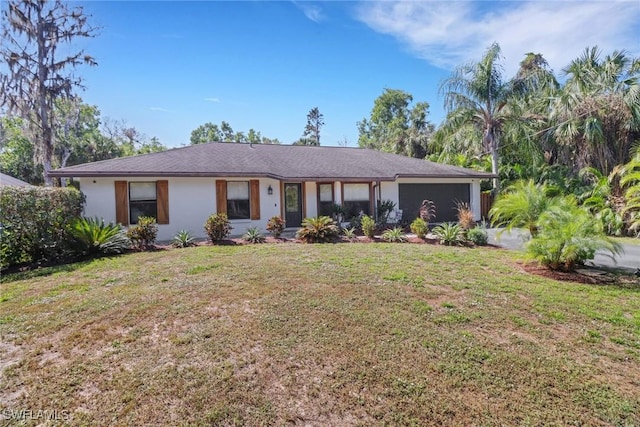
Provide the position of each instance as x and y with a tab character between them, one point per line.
254	198
122	202
162	198
221	196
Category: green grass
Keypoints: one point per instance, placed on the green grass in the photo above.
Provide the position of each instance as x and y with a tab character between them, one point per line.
347	334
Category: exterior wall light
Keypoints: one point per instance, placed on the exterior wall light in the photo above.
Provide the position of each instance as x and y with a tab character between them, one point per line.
270	190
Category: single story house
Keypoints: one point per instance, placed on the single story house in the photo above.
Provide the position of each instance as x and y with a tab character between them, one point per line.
181	187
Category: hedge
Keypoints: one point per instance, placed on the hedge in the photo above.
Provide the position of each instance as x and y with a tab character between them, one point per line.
34	224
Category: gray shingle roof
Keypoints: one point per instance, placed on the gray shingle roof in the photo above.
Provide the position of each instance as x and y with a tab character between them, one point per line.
8	180
288	162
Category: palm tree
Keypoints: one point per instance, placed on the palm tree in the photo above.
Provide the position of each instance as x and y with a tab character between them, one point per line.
630	181
605	199
475	100
569	236
597	112
521	206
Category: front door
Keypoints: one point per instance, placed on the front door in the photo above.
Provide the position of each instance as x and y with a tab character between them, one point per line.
293	205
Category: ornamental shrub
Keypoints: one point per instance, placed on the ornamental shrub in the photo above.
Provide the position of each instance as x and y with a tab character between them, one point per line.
35	224
217	227
478	236
368	226
419	227
143	234
275	226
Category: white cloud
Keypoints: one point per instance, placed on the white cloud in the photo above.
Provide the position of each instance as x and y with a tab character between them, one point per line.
159	109
448	34
212	99
311	11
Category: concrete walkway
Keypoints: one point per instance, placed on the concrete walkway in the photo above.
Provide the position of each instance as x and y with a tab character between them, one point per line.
628	260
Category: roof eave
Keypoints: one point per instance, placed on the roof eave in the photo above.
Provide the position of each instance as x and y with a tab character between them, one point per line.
145	174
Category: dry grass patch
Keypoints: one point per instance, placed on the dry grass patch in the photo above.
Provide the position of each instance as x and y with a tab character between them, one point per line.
318	335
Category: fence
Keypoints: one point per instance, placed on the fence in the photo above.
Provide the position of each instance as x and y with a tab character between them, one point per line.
486	200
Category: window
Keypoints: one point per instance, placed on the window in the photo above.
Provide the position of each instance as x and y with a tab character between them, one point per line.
356	199
134	199
325	199
142	200
238	200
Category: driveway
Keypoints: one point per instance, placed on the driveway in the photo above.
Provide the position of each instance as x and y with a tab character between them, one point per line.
628	260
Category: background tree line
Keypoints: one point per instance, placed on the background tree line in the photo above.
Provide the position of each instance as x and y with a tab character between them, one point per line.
532	125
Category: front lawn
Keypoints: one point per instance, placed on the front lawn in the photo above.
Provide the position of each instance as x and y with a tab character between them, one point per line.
334	334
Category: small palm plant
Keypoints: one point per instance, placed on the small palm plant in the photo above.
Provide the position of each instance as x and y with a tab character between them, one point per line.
521	206
318	230
253	235
183	239
630	181
449	234
569	236
394	235
93	236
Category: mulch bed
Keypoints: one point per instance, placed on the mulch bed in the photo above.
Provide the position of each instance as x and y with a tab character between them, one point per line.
586	275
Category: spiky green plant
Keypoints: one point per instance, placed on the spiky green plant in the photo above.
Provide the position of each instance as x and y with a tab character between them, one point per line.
318	230
568	236
349	233
449	234
183	239
253	235
93	236
394	235
521	206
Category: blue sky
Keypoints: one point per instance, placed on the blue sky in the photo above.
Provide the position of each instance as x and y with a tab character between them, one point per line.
166	67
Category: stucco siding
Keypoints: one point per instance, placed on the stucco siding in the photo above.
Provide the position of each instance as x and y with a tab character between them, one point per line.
191	201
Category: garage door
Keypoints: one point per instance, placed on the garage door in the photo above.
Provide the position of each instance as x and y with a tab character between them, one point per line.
444	196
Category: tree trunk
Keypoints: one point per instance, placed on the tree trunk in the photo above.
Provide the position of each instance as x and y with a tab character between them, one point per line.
493	144
494	169
46	136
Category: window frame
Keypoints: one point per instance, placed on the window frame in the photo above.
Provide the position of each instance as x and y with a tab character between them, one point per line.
248	201
320	202
345	203
132	202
